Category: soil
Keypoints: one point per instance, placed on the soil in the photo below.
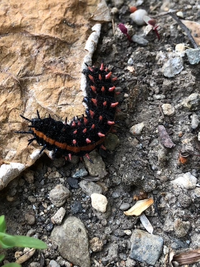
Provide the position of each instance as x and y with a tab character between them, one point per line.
140	163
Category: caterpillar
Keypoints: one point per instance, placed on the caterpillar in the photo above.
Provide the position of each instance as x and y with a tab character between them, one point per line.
83	134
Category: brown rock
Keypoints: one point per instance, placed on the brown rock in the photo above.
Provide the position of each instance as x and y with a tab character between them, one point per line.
42	47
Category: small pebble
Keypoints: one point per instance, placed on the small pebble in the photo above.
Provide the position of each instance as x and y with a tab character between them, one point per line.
49	227
192	102
180	14
96	244
80	173
59	195
111	142
131	69
139	40
30	218
58	216
185	180
194	121
137	16
137	128
130	61
159	97
95	166
72	182
128	232
124	206
99	202
90	187
193	55
168	109
181	228
34	264
29	176
112	255
172	67
198	136
180	48
53	263
76	207
114	11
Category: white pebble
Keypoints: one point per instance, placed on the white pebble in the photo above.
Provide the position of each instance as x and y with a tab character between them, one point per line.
168	109
180	14
185	180
180	48
194	121
99	202
137	128
137	16
128	232
198	136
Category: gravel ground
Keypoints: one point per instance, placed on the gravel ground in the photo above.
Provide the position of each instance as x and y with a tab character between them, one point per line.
156	155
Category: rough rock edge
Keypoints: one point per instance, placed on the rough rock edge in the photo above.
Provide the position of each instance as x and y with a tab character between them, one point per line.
10	171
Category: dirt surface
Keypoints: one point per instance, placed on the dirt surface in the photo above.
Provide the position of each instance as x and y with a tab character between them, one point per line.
140	162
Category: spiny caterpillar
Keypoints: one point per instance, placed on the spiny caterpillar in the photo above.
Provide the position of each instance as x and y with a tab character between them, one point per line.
82	134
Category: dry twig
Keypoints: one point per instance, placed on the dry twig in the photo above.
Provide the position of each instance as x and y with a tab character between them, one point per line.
172	13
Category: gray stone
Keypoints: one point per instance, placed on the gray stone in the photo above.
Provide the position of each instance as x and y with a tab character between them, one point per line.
95	166
112	253
195	240
111	142
192	102
145	247
53	263
130	263
184	200
124	206
139	40
168	224
72	241
58	216
59	195
181	228
193	55
80	173
90	187
185	180
173	67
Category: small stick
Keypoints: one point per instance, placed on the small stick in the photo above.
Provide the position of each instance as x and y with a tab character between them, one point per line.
182	25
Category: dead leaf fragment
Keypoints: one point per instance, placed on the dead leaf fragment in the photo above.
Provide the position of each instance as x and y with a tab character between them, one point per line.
139	207
187	257
102	13
164	137
146	223
194	27
28	253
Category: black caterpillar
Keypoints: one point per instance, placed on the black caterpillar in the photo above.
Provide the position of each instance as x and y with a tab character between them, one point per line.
82	134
